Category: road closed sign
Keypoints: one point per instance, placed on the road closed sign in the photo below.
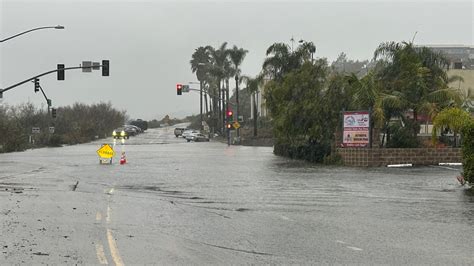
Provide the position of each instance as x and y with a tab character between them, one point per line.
106	151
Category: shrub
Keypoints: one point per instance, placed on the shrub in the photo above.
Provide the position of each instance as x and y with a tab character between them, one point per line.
468	151
402	137
334	159
312	152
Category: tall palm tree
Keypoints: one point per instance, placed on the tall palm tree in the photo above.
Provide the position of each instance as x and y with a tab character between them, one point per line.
237	56
199	64
281	60
252	87
276	65
220	61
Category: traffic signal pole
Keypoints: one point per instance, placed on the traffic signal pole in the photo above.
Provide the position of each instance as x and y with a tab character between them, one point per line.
40	75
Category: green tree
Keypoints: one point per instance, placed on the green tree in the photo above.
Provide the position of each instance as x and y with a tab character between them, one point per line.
219	69
416	76
253	85
281	60
237	56
452	118
297	106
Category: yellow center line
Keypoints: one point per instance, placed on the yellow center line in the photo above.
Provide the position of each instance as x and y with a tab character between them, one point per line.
100	254
113	249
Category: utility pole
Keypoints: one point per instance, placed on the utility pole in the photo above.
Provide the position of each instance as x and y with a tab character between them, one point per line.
237	103
200	105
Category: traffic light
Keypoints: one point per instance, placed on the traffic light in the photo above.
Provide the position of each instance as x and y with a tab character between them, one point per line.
230	115
53	112
228	126
105	68
179	89
37	84
61	72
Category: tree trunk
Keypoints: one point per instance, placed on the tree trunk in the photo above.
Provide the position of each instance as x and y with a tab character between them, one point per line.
205	103
255	114
237	102
415	123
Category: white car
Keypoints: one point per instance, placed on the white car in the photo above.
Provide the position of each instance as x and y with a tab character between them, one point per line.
197	137
188	132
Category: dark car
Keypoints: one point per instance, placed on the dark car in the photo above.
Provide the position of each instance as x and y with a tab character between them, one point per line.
178	131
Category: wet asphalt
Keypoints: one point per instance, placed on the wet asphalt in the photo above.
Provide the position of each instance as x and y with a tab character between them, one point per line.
175	202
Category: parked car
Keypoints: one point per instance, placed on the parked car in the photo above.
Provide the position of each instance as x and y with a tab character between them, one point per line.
197	137
120	133
137	129
131	130
178	131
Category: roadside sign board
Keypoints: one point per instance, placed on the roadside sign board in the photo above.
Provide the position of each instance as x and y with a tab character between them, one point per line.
106	151
236	125
356	126
51	130
35	130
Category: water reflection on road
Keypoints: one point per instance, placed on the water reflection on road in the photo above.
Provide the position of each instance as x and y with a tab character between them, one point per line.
207	203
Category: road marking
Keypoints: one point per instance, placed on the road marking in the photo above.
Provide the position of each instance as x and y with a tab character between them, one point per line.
340	242
98	216
354	248
113	249
100	254
285	218
110	191
445	167
107	218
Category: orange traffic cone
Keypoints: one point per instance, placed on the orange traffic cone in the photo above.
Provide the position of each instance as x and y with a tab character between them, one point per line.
123	160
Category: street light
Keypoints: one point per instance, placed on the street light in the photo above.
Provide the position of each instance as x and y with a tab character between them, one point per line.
58	27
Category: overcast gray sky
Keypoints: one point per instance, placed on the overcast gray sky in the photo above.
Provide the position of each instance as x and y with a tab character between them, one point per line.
149	43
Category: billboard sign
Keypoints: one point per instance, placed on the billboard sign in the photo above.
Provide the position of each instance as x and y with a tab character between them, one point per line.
356	128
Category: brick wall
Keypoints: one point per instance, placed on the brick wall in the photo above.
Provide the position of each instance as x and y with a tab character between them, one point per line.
384	156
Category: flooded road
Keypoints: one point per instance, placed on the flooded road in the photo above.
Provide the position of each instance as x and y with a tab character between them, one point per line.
205	203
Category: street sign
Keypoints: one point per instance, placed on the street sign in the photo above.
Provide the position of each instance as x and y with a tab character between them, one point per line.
236	125
95	65
241	118
51	130
86	66
185	88
35	130
106	151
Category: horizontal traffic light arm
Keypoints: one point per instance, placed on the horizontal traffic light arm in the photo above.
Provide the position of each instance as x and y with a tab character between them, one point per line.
40	75
212	95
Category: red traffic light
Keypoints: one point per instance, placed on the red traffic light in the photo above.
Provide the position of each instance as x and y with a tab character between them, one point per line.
179	89
230	113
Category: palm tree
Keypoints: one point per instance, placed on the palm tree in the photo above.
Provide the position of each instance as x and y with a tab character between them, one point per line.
237	56
452	118
220	62
415	75
281	60
252	86
199	65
